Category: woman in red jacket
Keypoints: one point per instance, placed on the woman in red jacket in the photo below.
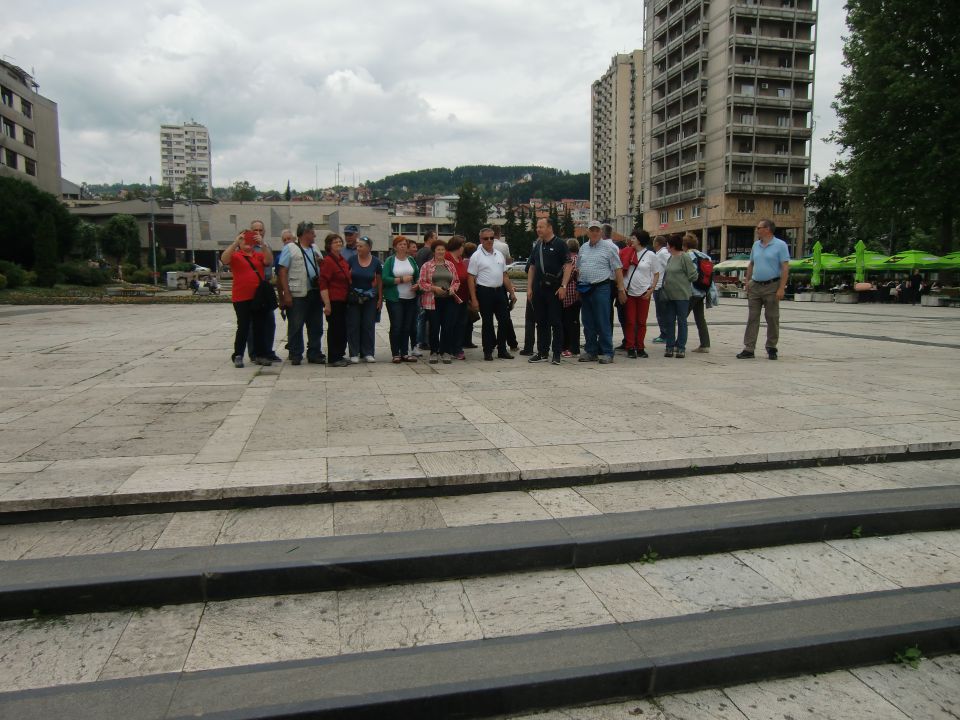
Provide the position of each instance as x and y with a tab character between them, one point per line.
334	287
247	264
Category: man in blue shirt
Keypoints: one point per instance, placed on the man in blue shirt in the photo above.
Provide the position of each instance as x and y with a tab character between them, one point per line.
599	266
766	282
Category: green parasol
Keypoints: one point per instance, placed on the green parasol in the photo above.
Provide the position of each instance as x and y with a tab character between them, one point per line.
828	263
817	264
871	261
860	274
912	260
950	261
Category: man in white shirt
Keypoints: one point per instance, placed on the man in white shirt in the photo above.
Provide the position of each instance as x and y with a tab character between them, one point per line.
663	255
486	279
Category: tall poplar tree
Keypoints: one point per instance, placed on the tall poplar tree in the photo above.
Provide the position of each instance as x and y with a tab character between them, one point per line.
471	212
899	113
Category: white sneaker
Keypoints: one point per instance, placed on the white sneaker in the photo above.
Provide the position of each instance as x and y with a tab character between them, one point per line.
445	357
369	359
417	352
434	358
354	359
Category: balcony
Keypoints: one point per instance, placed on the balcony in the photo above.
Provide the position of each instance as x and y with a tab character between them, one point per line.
772	131
676	197
769	159
771	101
765	42
694	166
767	189
774	13
764	72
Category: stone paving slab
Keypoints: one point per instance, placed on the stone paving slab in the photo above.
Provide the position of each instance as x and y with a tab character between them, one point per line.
494	676
97	582
152	386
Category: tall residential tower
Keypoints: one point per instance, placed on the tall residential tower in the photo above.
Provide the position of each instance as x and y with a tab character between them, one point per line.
618	131
185	150
30	141
729	99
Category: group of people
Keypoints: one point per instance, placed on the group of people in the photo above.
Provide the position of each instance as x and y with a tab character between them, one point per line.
435	293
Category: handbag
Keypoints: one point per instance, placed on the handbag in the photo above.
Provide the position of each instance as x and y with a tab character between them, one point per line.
265	297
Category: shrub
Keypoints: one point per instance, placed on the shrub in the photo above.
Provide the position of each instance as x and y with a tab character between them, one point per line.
177	267
3	281
139	276
128	270
83	274
16	275
29	278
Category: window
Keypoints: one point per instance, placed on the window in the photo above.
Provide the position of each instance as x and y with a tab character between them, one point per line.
743	176
28	138
695	211
747	90
31	167
780	178
6	95
786	61
9	129
781	207
26	107
746	119
788	3
749	59
745	205
785	32
783	92
782	149
746	146
10	159
664	217
678	214
748	29
783	121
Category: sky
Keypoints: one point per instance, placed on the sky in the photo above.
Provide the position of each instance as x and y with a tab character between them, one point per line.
289	89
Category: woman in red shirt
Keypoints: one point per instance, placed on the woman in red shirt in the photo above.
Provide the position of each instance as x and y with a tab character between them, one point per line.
334	287
246	264
455	250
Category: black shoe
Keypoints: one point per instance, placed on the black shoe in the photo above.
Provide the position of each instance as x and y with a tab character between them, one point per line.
504	355
526	353
772	354
536	358
514	348
557	359
470	346
632	354
642	354
587	357
296	361
488	356
745	355
322	360
622	346
274	358
668	352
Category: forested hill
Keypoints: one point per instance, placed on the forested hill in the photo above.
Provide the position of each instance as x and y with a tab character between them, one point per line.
495	182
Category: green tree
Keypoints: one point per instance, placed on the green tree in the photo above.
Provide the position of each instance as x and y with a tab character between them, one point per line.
567	227
243	191
554	215
192	187
510	227
46	252
638	218
521	247
166	192
120	238
287	195
899	122
22	204
832	214
87	240
471	212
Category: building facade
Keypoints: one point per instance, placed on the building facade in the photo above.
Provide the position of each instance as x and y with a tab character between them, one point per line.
185	150
618	131
730	102
30	137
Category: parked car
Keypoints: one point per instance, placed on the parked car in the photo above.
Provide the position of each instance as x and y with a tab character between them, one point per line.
518	266
200	269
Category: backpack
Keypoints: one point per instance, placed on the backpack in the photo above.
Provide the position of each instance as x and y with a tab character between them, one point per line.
704	266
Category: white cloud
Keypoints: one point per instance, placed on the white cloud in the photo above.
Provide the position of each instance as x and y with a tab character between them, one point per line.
291	88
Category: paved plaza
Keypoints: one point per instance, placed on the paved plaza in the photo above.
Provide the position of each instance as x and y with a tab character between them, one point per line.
114	418
141	403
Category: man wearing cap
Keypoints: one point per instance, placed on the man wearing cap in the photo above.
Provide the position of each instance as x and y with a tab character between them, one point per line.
486	279
299	265
350	235
548	272
599	266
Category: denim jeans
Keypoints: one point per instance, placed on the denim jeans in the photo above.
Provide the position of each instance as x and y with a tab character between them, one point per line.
362	328
597	323
659	302
305	311
675	317
403	319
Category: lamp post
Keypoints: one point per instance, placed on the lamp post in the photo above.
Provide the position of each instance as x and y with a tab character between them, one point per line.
153	232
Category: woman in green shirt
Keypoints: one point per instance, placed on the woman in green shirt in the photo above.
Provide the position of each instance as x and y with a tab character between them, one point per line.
676	292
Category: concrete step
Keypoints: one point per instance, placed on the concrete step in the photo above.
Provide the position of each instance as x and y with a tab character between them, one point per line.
550	669
191	575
